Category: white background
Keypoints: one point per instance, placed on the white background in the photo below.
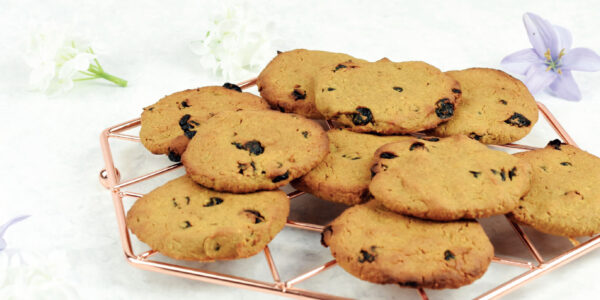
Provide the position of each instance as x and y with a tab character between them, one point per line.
50	155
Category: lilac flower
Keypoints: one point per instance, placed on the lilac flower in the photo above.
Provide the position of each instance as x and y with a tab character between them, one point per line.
550	62
4	227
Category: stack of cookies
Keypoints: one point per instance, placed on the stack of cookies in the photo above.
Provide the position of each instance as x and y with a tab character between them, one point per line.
408	154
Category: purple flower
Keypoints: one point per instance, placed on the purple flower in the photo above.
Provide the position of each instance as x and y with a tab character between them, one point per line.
550	62
4	227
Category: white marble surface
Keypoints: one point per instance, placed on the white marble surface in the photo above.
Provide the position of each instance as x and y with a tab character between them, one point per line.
50	155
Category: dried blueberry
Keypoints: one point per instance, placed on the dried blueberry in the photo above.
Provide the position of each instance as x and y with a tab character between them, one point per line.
282	177
185	103
184	120
330	89
503	101
518	120
190	134
175	204
231	86
305	134
185	125
503	175
448	255
566	163
475	136
475	173
326	230
398	89
254	147
430	139
174	157
187	200
213	201
299	94
388	155
556	143
444	109
340	66
186	224
258	218
365	256
278	52
363	117
512	173
456	91
416	145
238	145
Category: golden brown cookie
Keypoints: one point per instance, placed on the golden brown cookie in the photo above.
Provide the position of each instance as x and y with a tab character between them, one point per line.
377	245
246	151
564	198
449	179
287	82
496	108
184	220
386	97
345	173
169	124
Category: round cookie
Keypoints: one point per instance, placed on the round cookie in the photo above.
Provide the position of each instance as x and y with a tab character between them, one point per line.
564	198
287	82
344	175
386	97
374	244
496	108
169	124
184	220
449	179
246	151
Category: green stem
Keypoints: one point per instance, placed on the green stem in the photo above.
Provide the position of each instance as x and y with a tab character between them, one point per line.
99	73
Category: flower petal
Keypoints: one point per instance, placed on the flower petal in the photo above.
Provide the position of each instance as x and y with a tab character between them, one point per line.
565	40
5	226
565	87
537	78
581	59
520	61
541	34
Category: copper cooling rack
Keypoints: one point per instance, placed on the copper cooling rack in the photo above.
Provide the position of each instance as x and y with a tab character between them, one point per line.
111	179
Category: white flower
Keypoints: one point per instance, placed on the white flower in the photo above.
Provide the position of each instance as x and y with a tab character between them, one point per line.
33	277
236	44
57	59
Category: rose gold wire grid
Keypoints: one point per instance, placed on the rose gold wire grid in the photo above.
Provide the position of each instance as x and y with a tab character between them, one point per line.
111	179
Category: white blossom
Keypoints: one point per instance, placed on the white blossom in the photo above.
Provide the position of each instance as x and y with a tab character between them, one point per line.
235	45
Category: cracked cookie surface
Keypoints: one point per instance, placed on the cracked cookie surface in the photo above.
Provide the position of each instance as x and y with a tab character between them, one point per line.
377	245
183	220
344	175
287	82
246	151
169	124
496	108
448	179
386	97
564	198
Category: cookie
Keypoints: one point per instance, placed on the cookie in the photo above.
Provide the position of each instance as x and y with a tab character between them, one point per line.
386	97
564	198
377	245
344	175
448	179
169	124
184	220
246	151
496	108
287	82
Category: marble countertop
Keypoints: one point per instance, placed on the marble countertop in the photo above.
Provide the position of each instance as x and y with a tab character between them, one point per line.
50	155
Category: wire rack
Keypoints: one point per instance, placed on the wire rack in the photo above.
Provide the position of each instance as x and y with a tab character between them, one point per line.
111	179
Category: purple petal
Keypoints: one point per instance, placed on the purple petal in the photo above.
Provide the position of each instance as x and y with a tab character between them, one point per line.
4	227
541	34
565	40
537	78
520	61
581	59
565	87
